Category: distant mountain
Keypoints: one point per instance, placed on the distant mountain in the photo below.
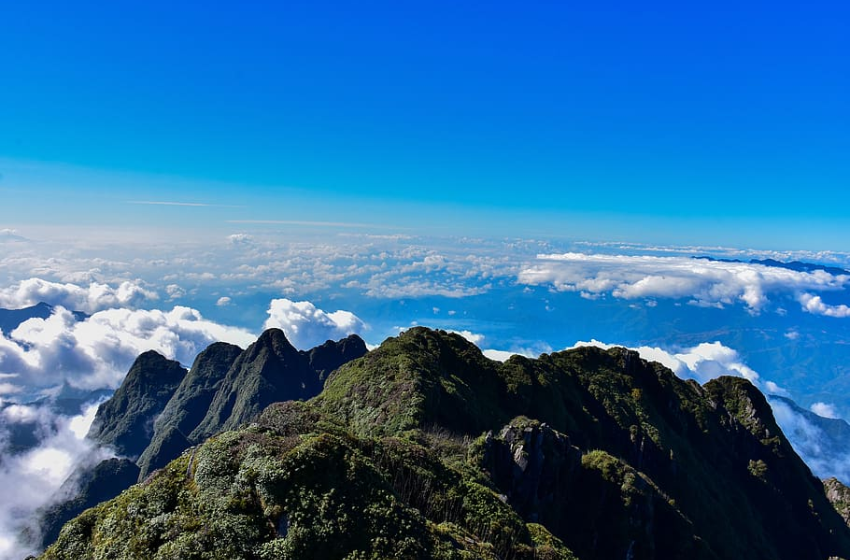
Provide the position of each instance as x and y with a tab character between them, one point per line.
424	448
823	442
793	265
270	370
227	387
10	319
327	357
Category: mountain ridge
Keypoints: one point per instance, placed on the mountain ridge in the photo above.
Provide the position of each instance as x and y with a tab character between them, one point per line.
161	409
438	452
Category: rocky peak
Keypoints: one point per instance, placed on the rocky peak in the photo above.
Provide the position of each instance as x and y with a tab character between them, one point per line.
530	463
125	421
839	497
329	356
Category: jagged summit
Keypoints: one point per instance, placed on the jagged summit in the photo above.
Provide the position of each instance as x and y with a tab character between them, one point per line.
125	421
424	448
328	356
188	406
270	370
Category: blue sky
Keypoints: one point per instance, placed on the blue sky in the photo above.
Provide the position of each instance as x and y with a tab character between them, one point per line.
718	122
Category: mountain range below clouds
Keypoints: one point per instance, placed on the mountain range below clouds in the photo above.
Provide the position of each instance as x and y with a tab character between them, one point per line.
824	443
798	266
11	319
425	448
722	318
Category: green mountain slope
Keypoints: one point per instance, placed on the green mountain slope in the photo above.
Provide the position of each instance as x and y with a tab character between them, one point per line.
270	370
158	411
126	420
188	406
108	479
424	448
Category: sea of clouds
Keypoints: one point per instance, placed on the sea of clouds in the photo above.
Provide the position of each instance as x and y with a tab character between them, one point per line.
698	281
131	305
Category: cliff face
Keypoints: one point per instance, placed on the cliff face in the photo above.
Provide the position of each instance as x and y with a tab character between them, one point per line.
839	496
125	422
423	448
188	406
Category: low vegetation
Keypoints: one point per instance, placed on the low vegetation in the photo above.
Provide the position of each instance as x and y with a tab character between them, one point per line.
424	448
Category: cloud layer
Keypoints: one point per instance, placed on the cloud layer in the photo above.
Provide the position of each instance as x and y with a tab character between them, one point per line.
98	351
825	456
307	326
701	282
31	480
90	299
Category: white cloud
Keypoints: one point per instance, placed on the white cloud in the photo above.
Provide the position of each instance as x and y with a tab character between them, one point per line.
9	389
6	387
704	282
703	362
7	234
532	351
174	291
307	326
31	480
89	299
472	337
240	239
24	414
223	301
417	288
498	355
824	409
826	457
774	389
815	305
98	351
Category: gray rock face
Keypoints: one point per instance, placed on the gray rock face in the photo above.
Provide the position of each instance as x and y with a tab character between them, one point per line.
531	463
839	496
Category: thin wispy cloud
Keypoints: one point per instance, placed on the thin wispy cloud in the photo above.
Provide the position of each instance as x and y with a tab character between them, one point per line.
315	224
185	204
